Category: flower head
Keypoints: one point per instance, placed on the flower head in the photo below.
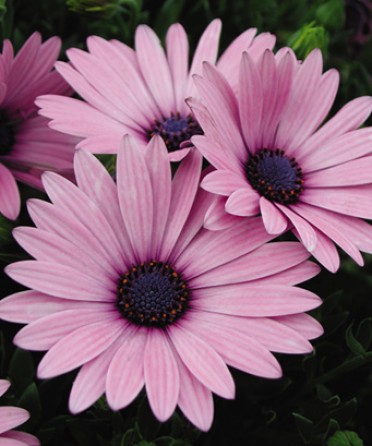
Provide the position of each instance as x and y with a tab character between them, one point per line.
129	286
273	160
28	146
11	417
140	92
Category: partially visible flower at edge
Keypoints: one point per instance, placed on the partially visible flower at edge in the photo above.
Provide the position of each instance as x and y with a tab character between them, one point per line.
141	92
129	286
11	417
271	159
28	146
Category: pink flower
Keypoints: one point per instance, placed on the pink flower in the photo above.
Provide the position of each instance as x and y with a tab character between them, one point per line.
273	160
27	145
140	92
11	417
128	285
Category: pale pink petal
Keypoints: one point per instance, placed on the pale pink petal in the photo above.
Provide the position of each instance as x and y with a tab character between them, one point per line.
302	323
178	60
211	249
195	400
223	182
10	201
318	218
184	188
206	51
250	102
354	201
202	361
276	256
216	218
255	300
325	252
304	229
61	281
135	192
179	154
161	181
4	386
292	276
79	347
125	376
351	173
161	375
20	439
243	202
274	220
29	306
47	331
350	117
155	68
90	382
11	417
238	349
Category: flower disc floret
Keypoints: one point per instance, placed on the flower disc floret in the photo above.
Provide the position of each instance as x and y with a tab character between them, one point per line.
152	294
175	130
275	176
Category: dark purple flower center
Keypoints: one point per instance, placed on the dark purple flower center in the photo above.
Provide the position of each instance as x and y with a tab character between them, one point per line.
6	135
152	294
175	130
275	176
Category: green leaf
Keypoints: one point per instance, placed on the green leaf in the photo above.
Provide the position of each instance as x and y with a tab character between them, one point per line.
21	370
30	400
364	332
304	426
169	13
354	345
307	38
130	438
345	438
331	14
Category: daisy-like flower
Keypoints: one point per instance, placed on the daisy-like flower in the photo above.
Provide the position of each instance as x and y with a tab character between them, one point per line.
27	145
141	92
128	285
11	417
273	160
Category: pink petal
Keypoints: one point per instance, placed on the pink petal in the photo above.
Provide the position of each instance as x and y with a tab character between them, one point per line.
155	68
90	382
243	202
211	249
10	441
293	276
47	331
238	349
10	201
11	417
16	438
274	220
195	400
79	347
350	117
255	300
161	181
184	188
203	362
325	251
161	375
223	182
178	60
135	193
95	181
125	376
216	218
305	230
4	386
265	261
302	323
250	102
206	50
61	281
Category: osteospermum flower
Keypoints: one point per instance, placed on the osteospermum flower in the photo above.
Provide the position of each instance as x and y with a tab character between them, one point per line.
11	417
128	285
140	92
272	159
27	145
